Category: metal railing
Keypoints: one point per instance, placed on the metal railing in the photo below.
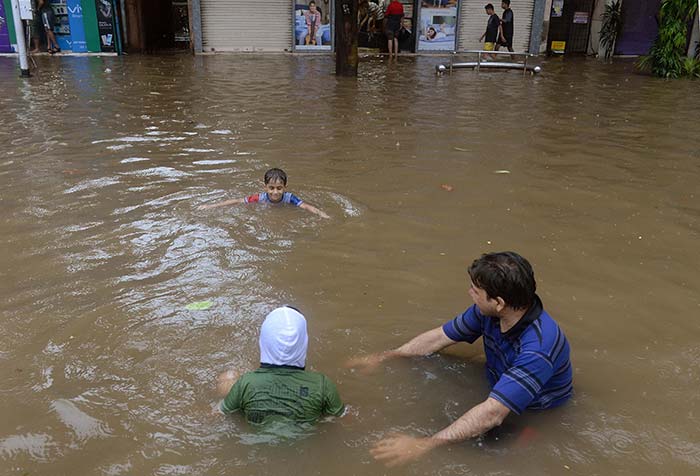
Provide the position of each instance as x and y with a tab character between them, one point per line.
481	60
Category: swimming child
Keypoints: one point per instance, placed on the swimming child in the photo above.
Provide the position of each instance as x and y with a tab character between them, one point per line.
282	388
275	192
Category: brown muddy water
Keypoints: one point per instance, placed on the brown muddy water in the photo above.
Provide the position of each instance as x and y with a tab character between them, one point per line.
102	165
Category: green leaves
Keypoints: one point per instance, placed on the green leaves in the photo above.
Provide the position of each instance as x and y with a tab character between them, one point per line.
667	57
612	23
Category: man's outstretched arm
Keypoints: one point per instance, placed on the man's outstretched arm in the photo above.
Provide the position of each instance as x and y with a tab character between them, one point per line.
400	449
424	344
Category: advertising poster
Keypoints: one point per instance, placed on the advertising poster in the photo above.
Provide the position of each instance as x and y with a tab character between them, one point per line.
105	24
4	32
437	25
312	25
557	8
77	30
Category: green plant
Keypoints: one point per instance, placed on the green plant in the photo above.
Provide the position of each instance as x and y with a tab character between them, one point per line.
691	67
666	58
612	23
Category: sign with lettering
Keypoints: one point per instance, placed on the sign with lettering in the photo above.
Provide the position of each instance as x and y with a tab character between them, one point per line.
105	24
77	28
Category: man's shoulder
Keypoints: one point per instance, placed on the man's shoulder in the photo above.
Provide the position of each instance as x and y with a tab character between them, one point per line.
542	334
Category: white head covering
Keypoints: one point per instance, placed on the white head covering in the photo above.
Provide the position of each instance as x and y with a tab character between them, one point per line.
283	338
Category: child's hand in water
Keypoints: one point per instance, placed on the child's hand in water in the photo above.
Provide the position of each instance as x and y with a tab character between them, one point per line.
323	214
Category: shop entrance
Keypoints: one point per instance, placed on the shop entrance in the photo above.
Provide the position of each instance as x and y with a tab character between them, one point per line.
570	26
157	25
639	27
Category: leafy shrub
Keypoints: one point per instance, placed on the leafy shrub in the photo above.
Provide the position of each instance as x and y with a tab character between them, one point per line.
612	23
666	58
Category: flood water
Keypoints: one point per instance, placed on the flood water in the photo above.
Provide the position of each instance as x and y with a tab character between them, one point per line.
105	160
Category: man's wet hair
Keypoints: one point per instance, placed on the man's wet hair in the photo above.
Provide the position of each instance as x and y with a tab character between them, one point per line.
489	6
507	2
506	275
275	175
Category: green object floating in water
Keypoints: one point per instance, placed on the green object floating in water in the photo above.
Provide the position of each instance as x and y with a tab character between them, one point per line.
199	306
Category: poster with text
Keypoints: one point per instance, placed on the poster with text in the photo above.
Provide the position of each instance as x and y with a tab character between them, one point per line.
77	30
312	25
4	32
437	29
105	24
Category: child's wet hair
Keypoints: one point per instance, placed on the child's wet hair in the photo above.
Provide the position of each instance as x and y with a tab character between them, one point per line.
275	175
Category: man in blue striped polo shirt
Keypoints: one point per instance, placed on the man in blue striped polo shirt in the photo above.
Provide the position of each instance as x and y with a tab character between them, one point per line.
527	354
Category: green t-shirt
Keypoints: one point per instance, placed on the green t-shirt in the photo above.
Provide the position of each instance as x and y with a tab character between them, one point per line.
273	392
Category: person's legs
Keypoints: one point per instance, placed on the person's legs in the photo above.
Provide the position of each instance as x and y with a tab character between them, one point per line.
396	46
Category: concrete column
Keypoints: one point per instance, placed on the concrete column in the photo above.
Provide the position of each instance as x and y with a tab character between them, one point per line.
694	35
538	16
21	43
195	14
346	56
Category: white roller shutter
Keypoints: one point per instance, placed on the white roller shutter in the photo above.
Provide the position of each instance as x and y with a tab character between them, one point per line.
246	25
473	18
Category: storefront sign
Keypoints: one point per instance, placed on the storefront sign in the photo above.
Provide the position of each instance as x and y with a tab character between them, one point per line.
558	46
77	29
437	28
105	25
312	26
4	32
557	8
581	17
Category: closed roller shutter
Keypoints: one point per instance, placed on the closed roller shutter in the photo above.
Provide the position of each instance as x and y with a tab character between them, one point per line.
246	25
473	18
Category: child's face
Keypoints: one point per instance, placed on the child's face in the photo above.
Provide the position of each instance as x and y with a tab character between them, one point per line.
275	190
312	8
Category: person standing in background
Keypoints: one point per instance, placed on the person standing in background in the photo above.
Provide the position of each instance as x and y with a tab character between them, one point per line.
49	20
393	17
506	38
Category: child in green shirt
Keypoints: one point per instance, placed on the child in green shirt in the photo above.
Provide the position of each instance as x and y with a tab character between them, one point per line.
281	388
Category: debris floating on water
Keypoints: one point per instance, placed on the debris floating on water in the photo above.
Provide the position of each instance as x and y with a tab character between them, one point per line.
199	305
501	171
447	188
461	150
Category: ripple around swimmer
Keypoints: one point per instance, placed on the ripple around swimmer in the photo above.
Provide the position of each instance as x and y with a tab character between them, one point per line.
348	207
83	425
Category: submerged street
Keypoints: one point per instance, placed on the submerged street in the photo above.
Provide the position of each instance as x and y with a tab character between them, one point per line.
589	169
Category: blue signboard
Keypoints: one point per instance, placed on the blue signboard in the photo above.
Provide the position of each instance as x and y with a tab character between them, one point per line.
4	33
77	30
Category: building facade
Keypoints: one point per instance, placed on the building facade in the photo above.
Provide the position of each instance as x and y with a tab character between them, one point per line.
283	25
80	25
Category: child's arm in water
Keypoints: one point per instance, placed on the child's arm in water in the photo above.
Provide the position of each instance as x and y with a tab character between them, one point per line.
313	209
222	204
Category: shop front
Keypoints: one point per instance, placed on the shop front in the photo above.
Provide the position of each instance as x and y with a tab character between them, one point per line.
570	26
639	27
245	25
308	26
473	18
80	25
